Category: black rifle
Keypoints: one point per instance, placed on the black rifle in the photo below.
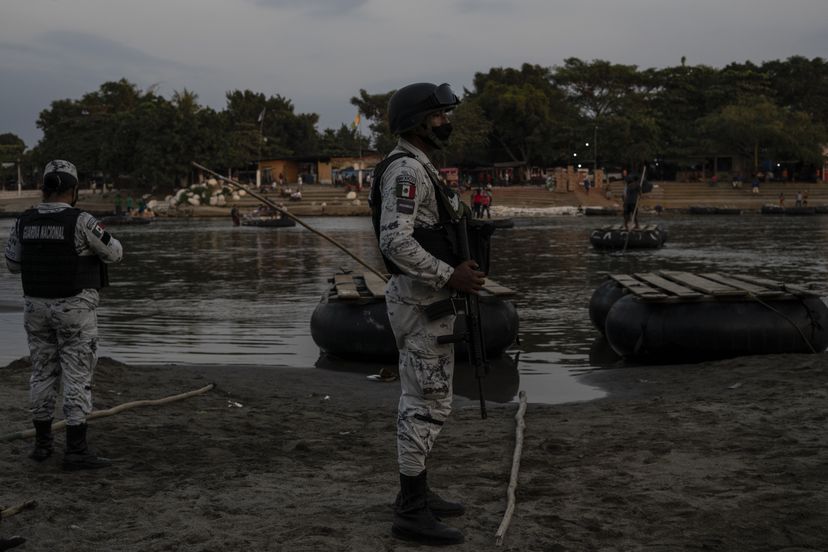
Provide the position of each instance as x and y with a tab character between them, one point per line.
468	327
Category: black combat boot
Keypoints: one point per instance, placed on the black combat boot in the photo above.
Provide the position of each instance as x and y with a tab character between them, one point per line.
11	542
414	521
439	507
78	455
44	442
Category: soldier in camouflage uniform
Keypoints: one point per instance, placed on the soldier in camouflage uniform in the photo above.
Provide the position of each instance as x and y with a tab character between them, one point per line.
412	211
62	254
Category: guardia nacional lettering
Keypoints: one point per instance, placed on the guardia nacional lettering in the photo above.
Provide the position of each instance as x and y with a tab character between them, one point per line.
50	232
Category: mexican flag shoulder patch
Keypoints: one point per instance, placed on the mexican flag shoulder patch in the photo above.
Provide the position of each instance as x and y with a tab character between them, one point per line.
406	188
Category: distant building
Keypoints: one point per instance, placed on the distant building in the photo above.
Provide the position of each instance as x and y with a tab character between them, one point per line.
316	169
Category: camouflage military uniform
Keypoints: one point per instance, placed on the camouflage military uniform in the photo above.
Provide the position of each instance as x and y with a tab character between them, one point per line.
426	367
63	332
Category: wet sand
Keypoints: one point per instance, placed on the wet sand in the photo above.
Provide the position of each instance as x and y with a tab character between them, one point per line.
728	455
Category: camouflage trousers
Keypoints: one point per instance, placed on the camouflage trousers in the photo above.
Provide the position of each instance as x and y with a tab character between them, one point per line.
426	371
63	343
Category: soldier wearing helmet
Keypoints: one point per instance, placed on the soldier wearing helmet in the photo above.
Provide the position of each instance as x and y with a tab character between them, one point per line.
412	211
61	253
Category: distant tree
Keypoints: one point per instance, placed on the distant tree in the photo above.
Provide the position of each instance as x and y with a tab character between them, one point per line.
754	124
617	99
344	142
287	133
12	150
374	107
800	84
528	114
470	137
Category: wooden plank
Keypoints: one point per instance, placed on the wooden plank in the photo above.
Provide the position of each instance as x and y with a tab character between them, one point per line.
374	284
757	290
669	286
345	287
495	288
637	287
774	284
704	285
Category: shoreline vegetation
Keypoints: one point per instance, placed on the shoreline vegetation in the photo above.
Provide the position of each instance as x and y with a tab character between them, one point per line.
726	455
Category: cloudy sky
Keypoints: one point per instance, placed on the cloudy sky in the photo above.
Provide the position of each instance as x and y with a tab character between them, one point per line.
319	53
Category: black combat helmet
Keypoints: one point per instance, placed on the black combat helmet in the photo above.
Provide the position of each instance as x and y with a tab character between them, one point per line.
409	105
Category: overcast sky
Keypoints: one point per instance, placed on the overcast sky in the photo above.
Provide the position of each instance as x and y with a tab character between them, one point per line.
319	53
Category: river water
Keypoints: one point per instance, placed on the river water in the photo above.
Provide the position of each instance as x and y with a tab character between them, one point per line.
203	292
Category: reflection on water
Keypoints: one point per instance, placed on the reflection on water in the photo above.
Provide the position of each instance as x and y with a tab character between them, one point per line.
205	292
501	384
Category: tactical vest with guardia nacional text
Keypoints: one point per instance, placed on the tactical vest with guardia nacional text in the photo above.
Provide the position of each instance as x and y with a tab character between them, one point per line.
50	263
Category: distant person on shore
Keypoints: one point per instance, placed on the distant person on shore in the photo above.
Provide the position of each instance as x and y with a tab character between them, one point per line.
586	184
486	201
781	199
61	253
477	203
632	194
129	204
798	199
119	209
234	216
805	199
754	184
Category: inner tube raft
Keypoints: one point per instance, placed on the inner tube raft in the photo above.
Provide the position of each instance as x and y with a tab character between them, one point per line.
674	331
616	237
355	325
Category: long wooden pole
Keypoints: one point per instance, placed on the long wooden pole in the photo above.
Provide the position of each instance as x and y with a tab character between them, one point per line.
513	479
111	411
290	215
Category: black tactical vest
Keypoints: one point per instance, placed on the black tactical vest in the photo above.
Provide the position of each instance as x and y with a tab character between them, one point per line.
50	264
439	241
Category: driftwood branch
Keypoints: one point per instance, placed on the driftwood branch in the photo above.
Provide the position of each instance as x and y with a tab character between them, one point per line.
12	510
510	492
111	411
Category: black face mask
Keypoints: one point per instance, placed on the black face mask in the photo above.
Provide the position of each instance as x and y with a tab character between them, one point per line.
442	132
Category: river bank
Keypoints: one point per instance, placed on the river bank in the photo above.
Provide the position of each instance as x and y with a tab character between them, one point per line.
726	456
535	200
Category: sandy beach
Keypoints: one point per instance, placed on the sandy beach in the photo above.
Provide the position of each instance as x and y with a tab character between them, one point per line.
727	455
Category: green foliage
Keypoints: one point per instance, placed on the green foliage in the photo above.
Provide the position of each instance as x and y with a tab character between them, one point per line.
530	118
374	107
532	114
344	142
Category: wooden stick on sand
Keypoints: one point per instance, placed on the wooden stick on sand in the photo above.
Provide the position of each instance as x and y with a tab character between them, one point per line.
12	510
111	411
510	493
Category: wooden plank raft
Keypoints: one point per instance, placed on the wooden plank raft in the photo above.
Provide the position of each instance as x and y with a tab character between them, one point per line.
676	286
367	285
